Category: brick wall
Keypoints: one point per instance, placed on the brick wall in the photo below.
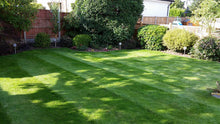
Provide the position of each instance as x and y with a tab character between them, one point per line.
42	23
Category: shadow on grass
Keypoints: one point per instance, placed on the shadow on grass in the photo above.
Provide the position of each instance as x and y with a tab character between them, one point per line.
69	88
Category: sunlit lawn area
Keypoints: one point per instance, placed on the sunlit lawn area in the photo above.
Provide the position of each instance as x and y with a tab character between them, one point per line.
55	86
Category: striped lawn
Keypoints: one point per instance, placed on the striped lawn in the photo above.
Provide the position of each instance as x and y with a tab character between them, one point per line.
61	86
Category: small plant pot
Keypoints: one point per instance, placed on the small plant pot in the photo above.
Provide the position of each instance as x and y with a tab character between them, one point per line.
216	94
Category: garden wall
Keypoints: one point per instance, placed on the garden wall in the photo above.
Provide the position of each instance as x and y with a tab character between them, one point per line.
42	23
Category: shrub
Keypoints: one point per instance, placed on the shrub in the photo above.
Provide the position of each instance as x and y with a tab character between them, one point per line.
66	41
176	12
151	36
107	21
176	39
42	40
5	47
82	40
207	48
129	44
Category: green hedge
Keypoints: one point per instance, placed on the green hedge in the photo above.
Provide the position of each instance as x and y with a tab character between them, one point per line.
151	36
42	40
207	48
176	12
176	39
82	41
107	21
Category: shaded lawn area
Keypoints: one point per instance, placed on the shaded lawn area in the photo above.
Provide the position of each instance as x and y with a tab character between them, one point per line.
61	86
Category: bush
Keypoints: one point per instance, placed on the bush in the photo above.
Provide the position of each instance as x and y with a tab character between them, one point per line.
176	39
107	21
129	44
5	47
176	12
82	40
207	48
151	36
42	40
66	41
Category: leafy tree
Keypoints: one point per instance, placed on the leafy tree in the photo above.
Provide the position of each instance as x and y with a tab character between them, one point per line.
195	4
54	8
177	4
18	13
176	12
206	14
107	21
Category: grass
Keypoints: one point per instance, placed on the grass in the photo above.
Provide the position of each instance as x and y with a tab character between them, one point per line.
55	86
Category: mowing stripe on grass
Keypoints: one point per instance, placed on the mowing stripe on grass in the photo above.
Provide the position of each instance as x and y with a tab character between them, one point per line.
88	97
27	101
136	73
141	100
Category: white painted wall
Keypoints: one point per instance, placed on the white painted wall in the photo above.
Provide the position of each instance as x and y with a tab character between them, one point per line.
155	8
66	4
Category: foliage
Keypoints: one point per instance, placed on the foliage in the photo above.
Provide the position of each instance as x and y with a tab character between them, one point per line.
54	7
42	40
38	5
177	4
151	37
206	14
195	4
129	44
176	39
18	13
107	21
110	47
66	41
5	47
176	12
207	48
82	40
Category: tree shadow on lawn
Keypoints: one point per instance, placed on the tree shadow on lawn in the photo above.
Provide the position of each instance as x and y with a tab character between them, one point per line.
141	94
91	93
90	100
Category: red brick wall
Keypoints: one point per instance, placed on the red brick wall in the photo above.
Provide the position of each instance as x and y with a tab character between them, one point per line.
42	23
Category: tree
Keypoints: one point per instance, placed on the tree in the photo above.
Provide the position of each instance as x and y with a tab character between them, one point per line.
18	13
107	21
54	8
206	14
195	4
177	4
177	9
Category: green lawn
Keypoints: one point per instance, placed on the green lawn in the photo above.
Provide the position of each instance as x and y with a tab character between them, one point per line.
55	86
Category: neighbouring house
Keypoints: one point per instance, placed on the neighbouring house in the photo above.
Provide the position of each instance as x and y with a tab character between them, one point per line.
159	8
65	5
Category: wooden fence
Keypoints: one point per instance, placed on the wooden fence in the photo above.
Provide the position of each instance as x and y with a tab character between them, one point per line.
145	20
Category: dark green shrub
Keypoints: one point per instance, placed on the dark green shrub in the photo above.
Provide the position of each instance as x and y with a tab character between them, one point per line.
176	39
207	48
42	40
107	21
110	47
82	40
151	36
129	44
5	47
66	41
